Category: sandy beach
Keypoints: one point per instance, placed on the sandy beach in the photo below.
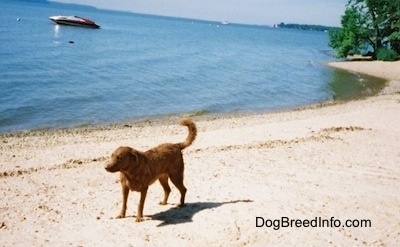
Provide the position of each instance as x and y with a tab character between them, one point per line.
254	180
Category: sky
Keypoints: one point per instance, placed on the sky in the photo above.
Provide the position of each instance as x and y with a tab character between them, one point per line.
253	12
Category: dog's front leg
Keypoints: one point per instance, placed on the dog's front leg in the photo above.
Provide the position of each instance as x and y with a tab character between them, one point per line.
143	193
125	193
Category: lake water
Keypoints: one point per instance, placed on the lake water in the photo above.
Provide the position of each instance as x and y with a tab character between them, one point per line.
138	66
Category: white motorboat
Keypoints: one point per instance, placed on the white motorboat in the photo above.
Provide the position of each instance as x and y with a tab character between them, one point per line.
74	21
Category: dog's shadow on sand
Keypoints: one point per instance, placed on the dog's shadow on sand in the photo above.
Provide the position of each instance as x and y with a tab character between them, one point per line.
185	214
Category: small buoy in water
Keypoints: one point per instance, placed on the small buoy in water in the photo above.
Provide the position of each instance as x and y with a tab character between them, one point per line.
71	42
18	19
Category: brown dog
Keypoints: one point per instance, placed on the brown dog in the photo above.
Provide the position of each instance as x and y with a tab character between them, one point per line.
138	170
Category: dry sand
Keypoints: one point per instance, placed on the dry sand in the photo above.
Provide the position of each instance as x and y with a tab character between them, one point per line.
336	160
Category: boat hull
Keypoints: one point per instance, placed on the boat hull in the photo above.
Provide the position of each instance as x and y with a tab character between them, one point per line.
74	21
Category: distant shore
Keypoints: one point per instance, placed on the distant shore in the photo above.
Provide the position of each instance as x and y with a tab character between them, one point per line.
332	161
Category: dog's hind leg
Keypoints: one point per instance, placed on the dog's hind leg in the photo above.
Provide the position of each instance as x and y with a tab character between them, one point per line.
164	183
177	180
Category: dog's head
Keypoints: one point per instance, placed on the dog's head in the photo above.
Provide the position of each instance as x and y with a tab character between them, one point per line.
121	159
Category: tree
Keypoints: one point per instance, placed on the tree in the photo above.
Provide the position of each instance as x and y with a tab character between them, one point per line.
367	25
394	37
351	38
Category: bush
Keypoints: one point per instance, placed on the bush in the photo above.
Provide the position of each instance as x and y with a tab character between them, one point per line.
385	54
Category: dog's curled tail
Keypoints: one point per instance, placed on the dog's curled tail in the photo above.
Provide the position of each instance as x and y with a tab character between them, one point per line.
192	132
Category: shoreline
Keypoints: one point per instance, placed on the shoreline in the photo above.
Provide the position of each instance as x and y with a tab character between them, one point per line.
390	71
332	160
386	70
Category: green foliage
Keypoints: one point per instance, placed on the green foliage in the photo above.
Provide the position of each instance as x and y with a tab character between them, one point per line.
342	43
350	38
385	54
367	25
394	40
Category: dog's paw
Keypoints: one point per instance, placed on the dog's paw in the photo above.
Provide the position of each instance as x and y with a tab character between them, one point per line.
139	219
120	216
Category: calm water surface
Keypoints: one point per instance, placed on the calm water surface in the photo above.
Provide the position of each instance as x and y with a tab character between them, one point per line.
138	66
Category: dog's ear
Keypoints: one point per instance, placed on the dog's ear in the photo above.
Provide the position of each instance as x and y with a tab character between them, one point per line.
135	155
